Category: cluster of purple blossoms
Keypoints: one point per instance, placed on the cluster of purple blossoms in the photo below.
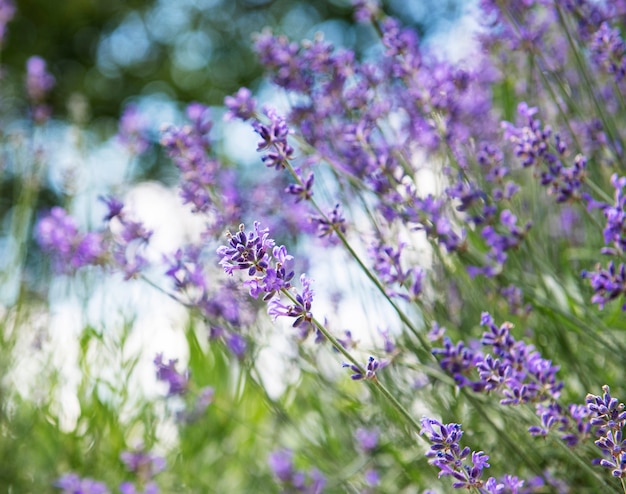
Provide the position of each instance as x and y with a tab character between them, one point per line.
608	51
608	417
7	11
291	479
133	131
269	268
274	140
370	370
57	234
144	466
242	105
128	239
446	454
189	147
514	369
367	440
39	82
177	382
388	267
333	222
532	144
609	283
71	483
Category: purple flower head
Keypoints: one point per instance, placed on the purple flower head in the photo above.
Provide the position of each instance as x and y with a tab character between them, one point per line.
300	310
608	51
242	105
144	465
38	81
303	190
446	454
367	438
133	130
608	284
71	483
58	235
365	10
7	11
178	383
334	222
274	140
281	463
370	370
246	252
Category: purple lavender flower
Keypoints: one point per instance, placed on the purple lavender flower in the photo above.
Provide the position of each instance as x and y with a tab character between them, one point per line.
370	370
178	383
242	105
607	51
303	190
73	484
608	284
367	438
7	11
133	130
144	465
274	140
446	454
38	83
292	480
334	222
300	309
58	235
608	416
246	252
190	149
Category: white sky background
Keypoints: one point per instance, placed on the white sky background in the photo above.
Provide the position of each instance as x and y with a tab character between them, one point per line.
158	321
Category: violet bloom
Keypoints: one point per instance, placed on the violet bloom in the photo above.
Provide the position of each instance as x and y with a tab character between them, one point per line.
370	370
608	284
367	438
58	235
178	383
274	140
190	149
608	416
446	454
71	483
38	81
608	51
333	222
7	11
144	465
133	130
242	105
292	480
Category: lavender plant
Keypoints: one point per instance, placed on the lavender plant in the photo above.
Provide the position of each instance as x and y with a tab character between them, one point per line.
399	200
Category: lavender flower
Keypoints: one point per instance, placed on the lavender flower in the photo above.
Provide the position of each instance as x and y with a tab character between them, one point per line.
292	480
58	235
242	105
190	149
370	370
133	130
607	51
71	483
178	383
274	140
7	11
608	284
446	454
334	222
367	438
609	417
38	83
